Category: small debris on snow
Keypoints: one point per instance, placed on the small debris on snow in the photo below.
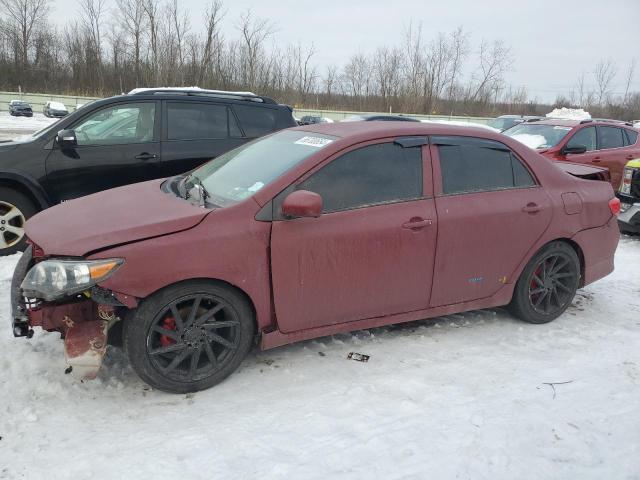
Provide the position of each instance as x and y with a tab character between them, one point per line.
358	357
569	114
322	354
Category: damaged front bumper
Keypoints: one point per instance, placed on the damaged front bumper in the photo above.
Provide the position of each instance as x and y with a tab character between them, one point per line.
82	322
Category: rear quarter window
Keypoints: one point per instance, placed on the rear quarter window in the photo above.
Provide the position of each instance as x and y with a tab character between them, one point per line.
632	137
256	121
468	168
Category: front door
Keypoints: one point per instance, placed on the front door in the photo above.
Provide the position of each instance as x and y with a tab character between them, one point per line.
370	253
117	145
491	212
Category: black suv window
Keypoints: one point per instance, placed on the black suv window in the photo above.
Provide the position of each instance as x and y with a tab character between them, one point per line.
192	121
469	168
585	137
382	173
609	137
256	121
632	137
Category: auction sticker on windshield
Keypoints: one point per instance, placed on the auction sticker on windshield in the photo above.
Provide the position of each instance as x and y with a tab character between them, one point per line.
318	142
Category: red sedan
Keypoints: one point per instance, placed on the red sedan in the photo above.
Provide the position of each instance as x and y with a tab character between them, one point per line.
309	232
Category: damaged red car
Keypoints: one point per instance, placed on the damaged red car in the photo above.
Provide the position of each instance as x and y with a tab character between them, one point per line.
309	232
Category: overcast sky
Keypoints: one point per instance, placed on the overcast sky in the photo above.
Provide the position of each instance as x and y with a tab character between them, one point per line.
552	40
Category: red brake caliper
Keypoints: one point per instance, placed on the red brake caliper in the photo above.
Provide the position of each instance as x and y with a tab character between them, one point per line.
537	273
170	324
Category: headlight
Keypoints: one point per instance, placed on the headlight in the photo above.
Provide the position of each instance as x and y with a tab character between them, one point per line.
52	279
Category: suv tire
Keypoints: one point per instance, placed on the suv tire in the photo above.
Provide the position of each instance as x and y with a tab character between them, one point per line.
15	209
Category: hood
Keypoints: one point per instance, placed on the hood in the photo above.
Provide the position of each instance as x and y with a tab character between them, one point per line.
112	217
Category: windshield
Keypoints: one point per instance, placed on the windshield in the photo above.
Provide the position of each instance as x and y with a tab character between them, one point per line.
242	172
538	136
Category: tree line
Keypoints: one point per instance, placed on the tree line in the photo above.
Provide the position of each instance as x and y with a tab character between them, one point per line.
113	47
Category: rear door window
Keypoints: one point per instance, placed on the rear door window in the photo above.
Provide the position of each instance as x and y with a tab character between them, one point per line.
585	137
610	137
371	175
196	121
470	168
632	137
256	121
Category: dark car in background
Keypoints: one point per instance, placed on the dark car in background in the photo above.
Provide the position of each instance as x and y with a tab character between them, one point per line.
599	142
313	119
20	108
125	139
55	110
504	122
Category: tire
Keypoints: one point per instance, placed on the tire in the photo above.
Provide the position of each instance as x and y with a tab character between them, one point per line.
15	209
164	337
547	285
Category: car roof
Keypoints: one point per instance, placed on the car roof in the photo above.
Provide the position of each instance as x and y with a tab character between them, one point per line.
381	129
569	122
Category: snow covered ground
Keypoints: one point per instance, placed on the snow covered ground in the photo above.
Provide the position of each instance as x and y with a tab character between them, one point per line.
11	127
465	396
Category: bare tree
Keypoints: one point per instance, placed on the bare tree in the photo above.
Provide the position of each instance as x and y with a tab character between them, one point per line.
495	61
23	16
630	73
458	51
254	33
181	25
91	12
133	20
604	74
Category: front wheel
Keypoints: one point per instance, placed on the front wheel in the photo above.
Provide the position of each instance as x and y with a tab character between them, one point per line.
189	337
15	210
547	285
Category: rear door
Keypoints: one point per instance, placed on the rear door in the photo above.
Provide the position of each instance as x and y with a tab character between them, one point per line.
117	145
491	211
194	133
370	253
612	152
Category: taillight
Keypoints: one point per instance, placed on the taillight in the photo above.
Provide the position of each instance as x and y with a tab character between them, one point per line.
614	206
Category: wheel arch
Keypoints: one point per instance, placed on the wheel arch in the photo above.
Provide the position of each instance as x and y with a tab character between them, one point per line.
219	282
578	249
27	186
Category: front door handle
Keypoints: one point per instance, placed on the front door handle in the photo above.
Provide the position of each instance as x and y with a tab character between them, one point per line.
629	157
531	207
146	156
417	223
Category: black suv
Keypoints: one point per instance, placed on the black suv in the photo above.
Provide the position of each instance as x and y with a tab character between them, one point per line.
149	134
19	108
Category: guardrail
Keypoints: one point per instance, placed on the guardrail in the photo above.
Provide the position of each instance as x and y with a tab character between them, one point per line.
37	101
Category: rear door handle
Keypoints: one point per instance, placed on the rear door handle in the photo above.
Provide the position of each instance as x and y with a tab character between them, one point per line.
531	208
417	223
146	156
629	157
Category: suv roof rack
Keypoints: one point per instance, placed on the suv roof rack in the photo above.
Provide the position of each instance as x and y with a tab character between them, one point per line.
195	91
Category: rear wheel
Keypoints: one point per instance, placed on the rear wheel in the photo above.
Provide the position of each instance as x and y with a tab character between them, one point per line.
189	337
15	210
547	285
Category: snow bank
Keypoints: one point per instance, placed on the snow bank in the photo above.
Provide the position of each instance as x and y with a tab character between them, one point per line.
461	396
37	122
531	141
569	114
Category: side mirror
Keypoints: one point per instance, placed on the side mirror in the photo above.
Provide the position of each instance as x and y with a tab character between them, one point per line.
575	149
302	203
67	139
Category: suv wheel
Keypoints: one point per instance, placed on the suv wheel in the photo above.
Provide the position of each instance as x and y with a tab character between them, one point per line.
547	284
15	210
189	337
